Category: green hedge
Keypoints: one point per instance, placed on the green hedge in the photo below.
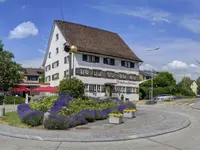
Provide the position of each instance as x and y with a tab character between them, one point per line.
11	99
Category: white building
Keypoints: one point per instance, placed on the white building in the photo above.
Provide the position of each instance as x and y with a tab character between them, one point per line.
103	61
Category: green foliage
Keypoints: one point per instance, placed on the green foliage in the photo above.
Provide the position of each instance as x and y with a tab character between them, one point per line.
79	104
43	104
72	86
42	79
12	99
198	83
55	124
186	91
10	71
1	99
185	82
33	120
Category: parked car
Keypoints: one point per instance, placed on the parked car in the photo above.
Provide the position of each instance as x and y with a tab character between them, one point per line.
164	97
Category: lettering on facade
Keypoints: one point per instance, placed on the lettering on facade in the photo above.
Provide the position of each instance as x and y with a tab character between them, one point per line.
106	74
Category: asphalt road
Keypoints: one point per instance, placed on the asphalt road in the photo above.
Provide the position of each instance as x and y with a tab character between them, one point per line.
186	139
190	101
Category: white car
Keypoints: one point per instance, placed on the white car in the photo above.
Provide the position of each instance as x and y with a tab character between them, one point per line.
164	97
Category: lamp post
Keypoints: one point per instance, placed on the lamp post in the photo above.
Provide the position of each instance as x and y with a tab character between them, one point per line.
72	49
152	76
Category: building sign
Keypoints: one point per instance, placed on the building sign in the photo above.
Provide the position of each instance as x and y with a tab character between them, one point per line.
106	74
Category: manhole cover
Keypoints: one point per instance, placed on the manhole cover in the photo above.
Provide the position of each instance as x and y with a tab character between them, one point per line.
82	128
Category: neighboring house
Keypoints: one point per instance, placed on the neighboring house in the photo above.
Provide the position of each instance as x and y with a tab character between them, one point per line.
146	75
31	78
194	86
103	61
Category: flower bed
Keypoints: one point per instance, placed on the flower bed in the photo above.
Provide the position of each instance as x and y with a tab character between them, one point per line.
66	112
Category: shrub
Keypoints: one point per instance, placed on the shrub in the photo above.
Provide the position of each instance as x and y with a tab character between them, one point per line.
73	86
29	116
1	99
43	104
12	99
89	115
56	122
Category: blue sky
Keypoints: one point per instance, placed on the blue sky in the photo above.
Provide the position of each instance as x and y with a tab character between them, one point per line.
172	25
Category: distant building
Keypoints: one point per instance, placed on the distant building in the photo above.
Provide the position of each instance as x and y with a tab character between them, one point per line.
194	86
145	75
103	61
31	78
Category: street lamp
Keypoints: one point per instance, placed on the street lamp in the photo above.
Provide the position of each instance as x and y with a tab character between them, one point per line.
72	49
152	76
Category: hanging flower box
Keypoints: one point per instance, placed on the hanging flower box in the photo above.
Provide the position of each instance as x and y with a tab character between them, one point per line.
129	113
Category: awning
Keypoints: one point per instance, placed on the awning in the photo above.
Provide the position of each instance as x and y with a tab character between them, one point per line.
21	89
46	89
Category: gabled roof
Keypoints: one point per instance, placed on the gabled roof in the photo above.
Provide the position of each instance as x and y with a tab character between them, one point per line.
97	41
33	71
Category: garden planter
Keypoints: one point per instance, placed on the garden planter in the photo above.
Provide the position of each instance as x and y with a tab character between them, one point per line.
129	114
115	120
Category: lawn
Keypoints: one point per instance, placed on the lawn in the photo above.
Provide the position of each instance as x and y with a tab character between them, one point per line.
12	118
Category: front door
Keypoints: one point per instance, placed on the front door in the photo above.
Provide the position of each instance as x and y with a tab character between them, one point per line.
108	91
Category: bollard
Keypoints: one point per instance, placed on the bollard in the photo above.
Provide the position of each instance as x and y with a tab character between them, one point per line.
2	112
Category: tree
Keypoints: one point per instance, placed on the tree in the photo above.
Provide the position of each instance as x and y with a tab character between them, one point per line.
185	82
42	79
198	83
10	74
72	86
163	79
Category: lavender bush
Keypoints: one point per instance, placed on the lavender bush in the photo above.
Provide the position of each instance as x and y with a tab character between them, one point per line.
29	116
62	101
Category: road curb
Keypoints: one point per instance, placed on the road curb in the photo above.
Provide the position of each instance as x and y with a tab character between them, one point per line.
109	139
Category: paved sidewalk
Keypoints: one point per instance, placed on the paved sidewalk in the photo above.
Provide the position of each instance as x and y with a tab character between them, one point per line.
196	106
149	122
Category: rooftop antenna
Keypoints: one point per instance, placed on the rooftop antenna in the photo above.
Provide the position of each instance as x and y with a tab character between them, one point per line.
61	10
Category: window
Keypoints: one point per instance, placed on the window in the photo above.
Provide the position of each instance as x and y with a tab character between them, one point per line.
55	76
109	61
57	37
66	60
48	78
90	58
48	67
55	64
32	78
91	88
129	90
103	88
127	64
98	88
50	55
57	50
66	73
86	87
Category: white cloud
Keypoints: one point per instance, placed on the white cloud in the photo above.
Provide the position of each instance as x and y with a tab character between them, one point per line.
193	66
23	30
192	24
42	51
154	15
176	65
33	63
147	67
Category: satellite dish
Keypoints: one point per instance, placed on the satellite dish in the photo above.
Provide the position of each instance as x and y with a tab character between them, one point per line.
67	48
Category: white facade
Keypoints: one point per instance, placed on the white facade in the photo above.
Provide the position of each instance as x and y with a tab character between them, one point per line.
77	62
194	87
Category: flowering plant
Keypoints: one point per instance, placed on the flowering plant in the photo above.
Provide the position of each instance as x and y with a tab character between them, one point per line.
116	114
130	110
